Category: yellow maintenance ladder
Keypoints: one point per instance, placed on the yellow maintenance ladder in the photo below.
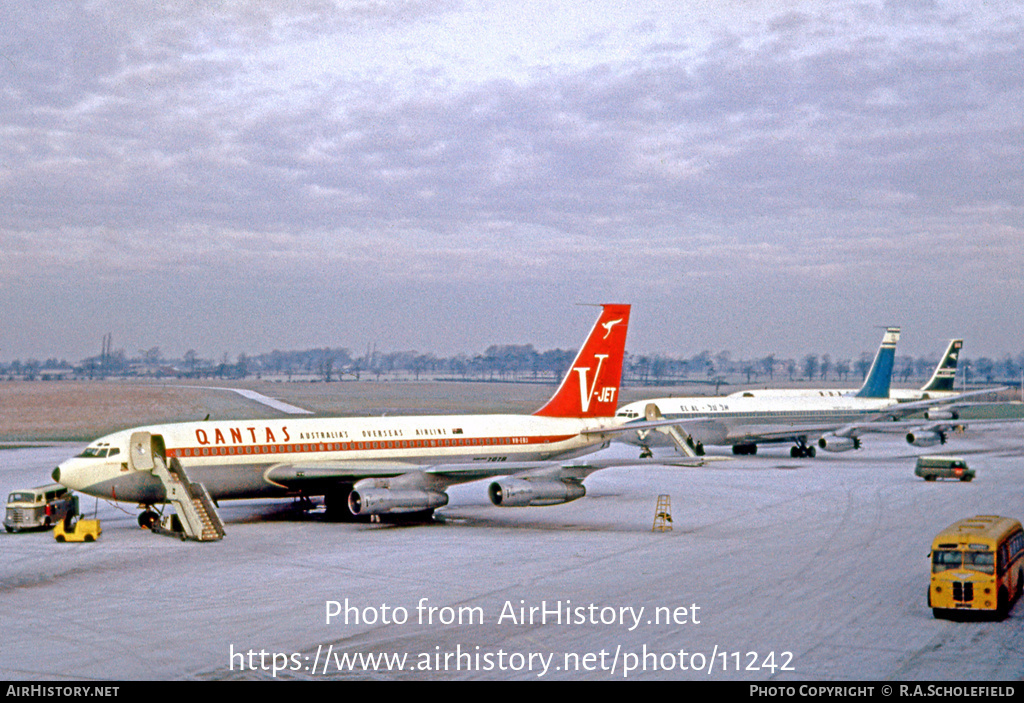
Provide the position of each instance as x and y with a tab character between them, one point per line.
663	514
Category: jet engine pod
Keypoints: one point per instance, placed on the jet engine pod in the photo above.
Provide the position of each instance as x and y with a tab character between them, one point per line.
518	492
377	501
926	438
835	443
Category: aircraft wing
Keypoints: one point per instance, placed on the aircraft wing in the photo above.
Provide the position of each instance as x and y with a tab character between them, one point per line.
891	420
925	432
902	410
311	475
612	430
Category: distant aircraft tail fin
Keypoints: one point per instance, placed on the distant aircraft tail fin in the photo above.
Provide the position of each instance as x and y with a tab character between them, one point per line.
879	379
591	387
945	373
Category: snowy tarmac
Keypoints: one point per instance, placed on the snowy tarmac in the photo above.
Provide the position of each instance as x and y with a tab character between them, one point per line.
776	569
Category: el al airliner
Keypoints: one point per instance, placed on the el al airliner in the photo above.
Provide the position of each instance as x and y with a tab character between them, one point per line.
832	421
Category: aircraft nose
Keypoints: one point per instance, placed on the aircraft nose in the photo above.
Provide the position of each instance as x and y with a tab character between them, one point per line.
68	475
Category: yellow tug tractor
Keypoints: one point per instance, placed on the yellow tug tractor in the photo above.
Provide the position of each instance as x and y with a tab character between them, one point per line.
72	529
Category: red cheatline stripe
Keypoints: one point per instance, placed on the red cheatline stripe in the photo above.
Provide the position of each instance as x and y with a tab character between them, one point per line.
397	444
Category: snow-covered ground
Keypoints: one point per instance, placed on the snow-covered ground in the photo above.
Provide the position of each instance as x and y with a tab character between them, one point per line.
776	569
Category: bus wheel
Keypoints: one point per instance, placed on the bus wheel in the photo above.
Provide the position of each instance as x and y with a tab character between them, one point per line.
1002	605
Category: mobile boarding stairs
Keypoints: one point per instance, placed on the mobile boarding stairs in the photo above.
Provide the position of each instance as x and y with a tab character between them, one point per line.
195	516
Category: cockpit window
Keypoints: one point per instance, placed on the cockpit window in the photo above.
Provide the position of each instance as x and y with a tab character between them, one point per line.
93	453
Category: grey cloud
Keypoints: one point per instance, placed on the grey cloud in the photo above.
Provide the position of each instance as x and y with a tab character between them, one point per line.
54	58
769	131
811	153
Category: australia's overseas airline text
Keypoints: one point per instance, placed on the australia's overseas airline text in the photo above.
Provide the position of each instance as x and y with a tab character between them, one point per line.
270	440
266	434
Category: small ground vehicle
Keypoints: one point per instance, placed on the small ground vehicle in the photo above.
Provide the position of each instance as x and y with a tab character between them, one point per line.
70	530
39	507
977	567
932	467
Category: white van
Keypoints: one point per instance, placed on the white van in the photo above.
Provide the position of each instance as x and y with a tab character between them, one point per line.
42	506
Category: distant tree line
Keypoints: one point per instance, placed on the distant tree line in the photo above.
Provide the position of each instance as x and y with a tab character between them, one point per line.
500	362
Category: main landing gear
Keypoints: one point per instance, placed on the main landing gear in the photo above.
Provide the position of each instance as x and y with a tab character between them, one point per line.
803	450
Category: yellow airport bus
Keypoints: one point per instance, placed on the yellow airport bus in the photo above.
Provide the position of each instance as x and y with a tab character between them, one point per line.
977	566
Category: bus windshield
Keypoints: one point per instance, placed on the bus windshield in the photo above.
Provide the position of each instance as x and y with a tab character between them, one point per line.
943	559
980	561
974	560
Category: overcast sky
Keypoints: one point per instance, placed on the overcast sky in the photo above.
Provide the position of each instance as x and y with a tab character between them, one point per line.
439	175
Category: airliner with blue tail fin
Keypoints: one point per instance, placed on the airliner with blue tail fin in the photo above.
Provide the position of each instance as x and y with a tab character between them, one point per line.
831	421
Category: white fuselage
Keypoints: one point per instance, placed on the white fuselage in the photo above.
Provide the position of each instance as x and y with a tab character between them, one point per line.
900	394
732	420
233	459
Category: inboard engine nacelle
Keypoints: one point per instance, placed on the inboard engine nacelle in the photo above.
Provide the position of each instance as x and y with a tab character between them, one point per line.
926	438
835	443
518	492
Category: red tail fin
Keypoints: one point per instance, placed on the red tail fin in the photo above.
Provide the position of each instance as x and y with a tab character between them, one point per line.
591	388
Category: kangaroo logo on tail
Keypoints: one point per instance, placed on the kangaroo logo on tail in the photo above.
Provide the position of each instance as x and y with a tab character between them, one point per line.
608	326
597	368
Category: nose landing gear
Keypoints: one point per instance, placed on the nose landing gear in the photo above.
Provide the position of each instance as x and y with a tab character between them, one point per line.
148	517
